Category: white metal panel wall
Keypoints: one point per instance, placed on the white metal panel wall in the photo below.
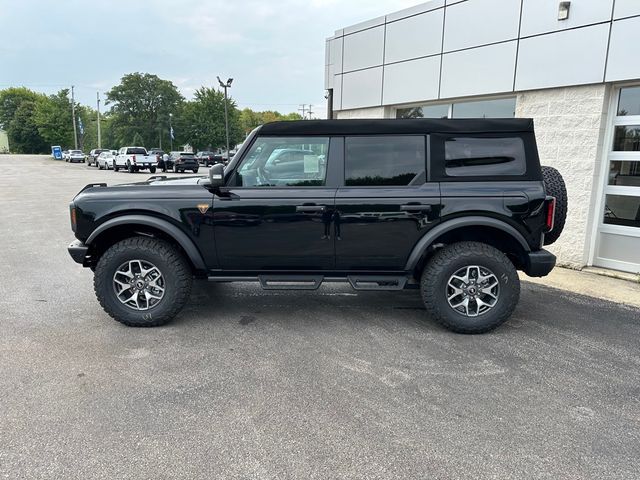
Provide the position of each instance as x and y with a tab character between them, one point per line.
478	56
541	16
478	71
363	49
479	22
570	57
414	37
362	88
626	8
623	50
411	81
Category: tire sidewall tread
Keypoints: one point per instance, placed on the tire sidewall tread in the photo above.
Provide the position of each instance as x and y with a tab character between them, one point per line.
175	270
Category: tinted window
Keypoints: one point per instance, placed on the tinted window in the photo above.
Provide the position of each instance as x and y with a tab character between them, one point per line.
136	151
629	102
389	160
476	157
627	138
284	162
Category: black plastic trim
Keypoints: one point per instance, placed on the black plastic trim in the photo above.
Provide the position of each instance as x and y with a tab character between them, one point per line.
174	232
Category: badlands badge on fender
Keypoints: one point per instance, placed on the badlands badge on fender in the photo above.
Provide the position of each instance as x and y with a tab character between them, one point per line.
203	207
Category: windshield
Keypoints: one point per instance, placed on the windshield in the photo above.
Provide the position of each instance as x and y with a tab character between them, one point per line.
75	151
187	155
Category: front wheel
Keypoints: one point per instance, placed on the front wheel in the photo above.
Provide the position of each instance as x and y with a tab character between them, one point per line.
470	287
142	281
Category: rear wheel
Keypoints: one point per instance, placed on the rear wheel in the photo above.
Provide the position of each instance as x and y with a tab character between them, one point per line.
152	169
142	282
130	167
470	287
195	170
115	167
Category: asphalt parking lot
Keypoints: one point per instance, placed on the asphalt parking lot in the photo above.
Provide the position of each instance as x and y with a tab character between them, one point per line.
324	384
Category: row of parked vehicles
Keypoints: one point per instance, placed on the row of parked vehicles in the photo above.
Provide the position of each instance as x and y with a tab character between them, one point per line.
135	159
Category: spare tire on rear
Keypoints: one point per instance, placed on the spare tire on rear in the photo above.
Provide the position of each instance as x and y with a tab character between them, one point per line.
555	186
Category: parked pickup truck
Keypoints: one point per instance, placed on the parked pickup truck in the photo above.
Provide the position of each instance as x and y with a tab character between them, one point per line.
134	159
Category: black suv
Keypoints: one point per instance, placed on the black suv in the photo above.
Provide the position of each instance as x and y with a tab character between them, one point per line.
450	207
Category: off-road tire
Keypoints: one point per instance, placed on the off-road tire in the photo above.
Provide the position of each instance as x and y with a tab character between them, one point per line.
175	270
554	185
450	259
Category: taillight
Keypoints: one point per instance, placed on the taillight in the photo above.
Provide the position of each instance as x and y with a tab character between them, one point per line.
72	213
551	213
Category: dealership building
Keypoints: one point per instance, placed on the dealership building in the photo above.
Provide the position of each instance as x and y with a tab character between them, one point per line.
572	66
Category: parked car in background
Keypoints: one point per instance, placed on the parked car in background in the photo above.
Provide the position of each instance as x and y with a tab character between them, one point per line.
93	156
181	161
105	160
207	158
77	156
134	159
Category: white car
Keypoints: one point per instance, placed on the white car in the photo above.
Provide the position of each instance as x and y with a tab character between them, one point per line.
134	159
77	156
105	160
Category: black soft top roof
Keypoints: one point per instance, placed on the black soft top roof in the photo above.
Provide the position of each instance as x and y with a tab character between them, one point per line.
397	126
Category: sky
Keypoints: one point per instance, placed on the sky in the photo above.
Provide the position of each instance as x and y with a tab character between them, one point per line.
274	50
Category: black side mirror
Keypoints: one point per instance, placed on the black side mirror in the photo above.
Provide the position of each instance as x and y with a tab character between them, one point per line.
216	175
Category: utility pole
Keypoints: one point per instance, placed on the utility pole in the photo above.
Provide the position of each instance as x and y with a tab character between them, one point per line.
99	133
226	113
73	115
303	110
310	112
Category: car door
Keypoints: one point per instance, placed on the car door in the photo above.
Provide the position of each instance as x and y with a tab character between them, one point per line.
268	220
386	202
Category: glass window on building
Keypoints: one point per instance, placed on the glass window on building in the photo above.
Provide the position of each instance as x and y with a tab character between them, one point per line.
499	108
629	102
494	108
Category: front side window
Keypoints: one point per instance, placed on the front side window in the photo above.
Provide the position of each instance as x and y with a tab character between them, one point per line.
484	156
385	160
284	162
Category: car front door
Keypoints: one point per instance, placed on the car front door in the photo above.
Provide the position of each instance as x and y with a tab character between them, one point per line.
386	202
274	217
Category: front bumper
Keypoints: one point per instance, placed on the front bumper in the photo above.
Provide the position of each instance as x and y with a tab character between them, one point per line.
78	251
539	263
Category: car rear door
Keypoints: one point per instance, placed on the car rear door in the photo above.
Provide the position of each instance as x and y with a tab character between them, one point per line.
267	219
385	204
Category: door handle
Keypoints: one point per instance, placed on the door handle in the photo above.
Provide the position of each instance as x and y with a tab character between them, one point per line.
415	207
310	208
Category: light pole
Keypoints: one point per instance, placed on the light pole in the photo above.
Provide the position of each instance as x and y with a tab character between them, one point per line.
171	131
226	113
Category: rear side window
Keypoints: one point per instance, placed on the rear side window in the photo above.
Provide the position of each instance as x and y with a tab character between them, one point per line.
385	160
479	157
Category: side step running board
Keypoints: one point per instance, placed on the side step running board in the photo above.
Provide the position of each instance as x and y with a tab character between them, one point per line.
290	282
382	282
313	282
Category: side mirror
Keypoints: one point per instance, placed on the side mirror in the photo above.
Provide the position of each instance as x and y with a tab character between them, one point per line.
216	175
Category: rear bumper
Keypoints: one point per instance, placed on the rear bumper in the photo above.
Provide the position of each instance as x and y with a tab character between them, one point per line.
78	251
539	263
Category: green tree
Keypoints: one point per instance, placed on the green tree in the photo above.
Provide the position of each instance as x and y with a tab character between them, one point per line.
23	132
53	118
141	104
250	119
17	108
201	121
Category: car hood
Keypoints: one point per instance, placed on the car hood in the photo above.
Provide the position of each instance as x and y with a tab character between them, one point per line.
156	186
